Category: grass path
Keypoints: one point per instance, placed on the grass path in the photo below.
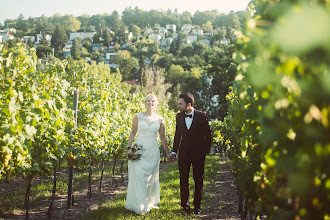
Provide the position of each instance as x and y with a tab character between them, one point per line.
219	196
169	207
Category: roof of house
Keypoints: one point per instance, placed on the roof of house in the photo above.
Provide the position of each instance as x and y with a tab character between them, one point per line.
131	82
130	42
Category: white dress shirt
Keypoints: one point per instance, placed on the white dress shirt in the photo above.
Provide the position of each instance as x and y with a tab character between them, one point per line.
189	120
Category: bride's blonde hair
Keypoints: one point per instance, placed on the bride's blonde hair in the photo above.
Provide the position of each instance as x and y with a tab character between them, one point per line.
153	96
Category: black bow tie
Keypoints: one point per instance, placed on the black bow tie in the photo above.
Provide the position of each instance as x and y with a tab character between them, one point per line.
185	115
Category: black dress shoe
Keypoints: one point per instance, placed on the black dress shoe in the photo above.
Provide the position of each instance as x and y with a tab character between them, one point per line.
197	211
186	210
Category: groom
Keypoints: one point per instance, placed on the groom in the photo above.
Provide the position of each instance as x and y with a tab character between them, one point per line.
193	141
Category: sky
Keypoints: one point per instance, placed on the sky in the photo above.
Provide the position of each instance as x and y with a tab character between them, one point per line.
11	9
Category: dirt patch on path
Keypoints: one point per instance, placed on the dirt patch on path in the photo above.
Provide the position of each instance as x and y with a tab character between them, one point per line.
224	202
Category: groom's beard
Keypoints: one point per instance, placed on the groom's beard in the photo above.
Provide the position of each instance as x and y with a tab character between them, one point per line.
184	110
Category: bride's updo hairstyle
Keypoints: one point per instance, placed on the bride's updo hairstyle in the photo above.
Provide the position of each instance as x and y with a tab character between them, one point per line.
153	96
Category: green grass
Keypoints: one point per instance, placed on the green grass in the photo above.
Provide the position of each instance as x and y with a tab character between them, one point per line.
169	207
13	200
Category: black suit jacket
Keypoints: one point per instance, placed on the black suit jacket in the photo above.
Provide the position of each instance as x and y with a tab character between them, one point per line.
197	140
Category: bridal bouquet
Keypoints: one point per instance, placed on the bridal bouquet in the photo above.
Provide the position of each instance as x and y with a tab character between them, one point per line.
134	152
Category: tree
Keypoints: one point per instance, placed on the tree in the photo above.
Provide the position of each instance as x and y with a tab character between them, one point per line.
153	81
128	65
96	55
176	75
30	43
44	41
21	23
207	26
44	26
177	44
165	61
107	37
201	18
174	97
59	37
76	49
121	36
187	50
43	51
136	17
12	42
96	38
136	30
71	23
114	21
220	21
185	18
234	20
98	22
84	20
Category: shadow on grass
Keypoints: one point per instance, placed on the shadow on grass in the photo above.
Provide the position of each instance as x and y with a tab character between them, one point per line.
170	196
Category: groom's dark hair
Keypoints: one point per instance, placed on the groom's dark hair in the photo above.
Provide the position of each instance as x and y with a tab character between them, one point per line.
187	97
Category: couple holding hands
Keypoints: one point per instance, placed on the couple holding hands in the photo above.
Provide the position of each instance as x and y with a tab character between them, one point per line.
192	142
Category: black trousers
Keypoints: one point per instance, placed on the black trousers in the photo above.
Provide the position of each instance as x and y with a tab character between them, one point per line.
198	174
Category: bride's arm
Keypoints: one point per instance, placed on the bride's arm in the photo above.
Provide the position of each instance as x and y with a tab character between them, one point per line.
162	136
133	131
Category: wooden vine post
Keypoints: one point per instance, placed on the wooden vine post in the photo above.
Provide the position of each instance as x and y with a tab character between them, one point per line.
71	171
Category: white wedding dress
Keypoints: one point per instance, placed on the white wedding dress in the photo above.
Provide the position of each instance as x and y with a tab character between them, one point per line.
143	192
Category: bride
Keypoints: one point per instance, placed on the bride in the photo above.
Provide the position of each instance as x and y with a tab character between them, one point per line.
143	192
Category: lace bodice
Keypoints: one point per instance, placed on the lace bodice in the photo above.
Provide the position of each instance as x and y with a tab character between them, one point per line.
148	126
149	119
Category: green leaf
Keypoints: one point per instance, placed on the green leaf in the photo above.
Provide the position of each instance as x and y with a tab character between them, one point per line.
30	130
303	28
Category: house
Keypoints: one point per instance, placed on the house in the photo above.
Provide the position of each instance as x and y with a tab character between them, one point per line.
39	37
171	27
149	31
175	35
112	45
147	61
67	48
128	44
1	38
186	28
110	56
27	38
131	82
6	37
11	30
82	35
164	43
112	65
198	32
162	31
96	46
205	41
109	60
208	34
191	38
129	35
155	37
